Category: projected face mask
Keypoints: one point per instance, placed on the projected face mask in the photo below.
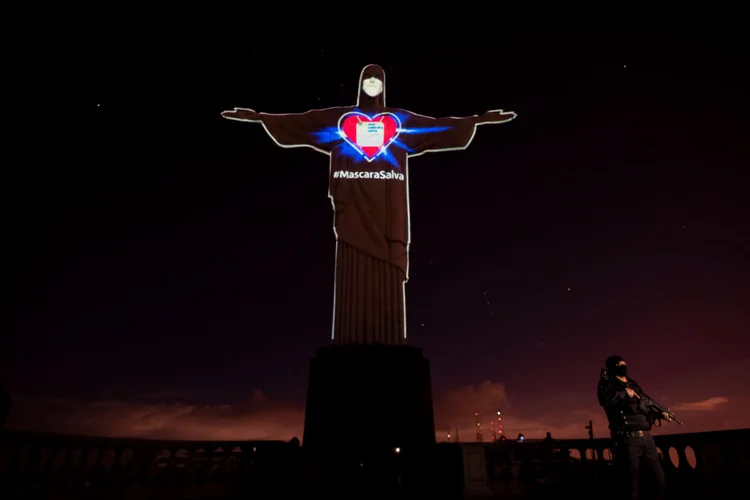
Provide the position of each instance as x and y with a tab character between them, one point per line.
621	370
372	86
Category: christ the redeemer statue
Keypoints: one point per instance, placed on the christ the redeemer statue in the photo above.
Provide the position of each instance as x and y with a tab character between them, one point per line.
369	145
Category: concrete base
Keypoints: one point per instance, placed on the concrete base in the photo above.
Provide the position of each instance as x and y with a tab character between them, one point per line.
369	400
475	470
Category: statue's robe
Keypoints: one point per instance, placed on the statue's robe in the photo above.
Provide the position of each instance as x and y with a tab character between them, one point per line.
369	189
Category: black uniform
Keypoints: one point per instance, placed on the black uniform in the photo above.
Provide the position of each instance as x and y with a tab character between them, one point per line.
630	423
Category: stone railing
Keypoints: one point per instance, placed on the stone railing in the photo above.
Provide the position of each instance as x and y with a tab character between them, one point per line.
55	466
704	465
701	465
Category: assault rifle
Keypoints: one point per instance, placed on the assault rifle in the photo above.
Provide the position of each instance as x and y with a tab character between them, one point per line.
661	409
647	401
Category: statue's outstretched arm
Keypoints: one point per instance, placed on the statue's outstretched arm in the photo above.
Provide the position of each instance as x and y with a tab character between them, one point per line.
424	134
291	130
242	114
495	116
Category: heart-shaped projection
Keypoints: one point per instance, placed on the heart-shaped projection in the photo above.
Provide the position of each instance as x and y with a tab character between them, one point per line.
369	135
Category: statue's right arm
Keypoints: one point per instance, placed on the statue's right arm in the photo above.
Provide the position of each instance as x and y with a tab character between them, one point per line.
311	128
242	114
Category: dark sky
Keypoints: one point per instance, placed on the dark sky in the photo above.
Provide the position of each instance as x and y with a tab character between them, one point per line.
162	249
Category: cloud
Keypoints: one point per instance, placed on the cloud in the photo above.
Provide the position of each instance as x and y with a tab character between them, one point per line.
705	405
154	418
173	416
456	408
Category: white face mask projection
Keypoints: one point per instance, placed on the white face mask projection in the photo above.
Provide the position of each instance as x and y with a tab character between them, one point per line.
372	86
369	145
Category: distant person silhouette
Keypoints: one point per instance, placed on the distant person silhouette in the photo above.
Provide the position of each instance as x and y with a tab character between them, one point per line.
4	404
630	424
547	451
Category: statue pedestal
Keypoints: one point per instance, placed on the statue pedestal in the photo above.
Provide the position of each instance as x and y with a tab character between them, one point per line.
371	398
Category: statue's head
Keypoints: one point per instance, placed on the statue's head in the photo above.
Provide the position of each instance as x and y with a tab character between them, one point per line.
371	87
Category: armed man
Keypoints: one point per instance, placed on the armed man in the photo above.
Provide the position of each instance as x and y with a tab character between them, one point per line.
631	414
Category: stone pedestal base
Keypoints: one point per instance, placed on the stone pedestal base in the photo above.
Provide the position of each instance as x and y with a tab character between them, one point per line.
369	399
369	427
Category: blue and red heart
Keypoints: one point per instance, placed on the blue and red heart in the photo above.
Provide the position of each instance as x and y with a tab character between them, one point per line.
349	123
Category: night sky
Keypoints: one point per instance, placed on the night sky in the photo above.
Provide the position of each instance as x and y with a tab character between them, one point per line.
173	271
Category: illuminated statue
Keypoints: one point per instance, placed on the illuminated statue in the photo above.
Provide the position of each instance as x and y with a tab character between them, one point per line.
369	145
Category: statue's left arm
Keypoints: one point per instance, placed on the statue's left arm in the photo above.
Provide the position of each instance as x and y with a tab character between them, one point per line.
423	134
311	129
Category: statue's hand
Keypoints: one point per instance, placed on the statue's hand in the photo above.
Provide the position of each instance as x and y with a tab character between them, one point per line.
241	114
496	116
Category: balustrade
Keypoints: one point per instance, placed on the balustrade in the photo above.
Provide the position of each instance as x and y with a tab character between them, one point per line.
56	465
709	465
702	465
